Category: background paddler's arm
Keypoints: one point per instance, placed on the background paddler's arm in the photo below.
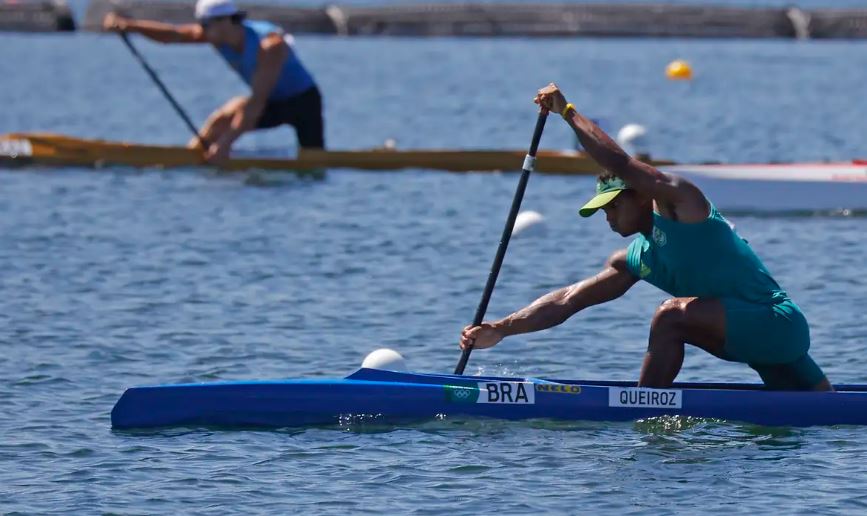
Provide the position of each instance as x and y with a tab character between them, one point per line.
159	31
554	308
272	54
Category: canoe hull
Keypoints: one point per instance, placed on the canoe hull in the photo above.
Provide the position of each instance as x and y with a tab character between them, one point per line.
62	151
787	187
392	396
781	187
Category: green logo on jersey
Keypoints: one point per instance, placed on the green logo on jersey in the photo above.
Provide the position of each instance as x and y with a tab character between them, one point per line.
659	237
645	271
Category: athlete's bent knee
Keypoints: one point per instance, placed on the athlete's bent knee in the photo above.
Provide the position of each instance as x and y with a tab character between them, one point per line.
670	314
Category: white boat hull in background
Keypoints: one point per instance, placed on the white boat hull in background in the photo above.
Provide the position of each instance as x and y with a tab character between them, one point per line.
781	187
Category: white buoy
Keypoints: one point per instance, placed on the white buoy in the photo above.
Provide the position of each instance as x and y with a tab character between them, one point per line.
385	358
527	219
632	137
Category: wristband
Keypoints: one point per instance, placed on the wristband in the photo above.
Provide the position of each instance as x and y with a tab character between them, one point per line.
566	109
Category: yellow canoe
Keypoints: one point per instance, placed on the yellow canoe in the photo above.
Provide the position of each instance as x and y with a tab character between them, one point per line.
55	150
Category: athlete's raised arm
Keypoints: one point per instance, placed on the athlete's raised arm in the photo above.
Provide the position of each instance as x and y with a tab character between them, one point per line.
676	198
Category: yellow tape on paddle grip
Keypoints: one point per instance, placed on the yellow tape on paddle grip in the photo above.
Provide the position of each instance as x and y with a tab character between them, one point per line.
566	109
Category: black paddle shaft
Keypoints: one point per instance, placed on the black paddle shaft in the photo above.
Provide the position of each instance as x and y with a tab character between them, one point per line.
507	234
125	37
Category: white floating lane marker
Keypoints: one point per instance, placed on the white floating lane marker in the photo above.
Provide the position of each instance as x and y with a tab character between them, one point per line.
527	219
385	358
633	138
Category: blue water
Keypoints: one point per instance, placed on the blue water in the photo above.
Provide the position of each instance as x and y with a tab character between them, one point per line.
114	278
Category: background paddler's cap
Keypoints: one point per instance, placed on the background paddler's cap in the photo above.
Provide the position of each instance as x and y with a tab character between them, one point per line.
606	190
207	9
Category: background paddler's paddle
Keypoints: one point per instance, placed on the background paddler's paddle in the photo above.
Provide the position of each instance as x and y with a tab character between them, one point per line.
125	37
529	163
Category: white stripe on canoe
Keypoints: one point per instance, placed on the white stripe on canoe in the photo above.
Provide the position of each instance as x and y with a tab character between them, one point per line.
835	172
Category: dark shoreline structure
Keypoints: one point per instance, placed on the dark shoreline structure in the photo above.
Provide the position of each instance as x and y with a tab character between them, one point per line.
36	16
510	19
480	20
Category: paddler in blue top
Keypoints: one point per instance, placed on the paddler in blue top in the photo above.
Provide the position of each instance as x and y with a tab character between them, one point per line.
724	299
282	90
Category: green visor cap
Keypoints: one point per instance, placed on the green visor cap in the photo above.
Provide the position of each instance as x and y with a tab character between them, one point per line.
606	191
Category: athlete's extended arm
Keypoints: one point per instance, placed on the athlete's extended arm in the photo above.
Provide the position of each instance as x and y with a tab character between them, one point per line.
272	54
554	308
157	31
677	197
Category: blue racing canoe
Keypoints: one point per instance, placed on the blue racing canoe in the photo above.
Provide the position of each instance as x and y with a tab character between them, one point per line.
399	396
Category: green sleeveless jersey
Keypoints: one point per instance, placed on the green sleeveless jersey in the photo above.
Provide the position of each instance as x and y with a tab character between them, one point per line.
703	259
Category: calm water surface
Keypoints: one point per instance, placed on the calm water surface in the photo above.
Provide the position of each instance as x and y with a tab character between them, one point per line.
117	278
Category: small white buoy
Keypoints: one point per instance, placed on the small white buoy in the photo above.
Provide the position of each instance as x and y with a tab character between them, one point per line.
527	219
630	133
385	358
632	137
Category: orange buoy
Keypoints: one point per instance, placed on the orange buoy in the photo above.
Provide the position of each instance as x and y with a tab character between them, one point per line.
678	70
